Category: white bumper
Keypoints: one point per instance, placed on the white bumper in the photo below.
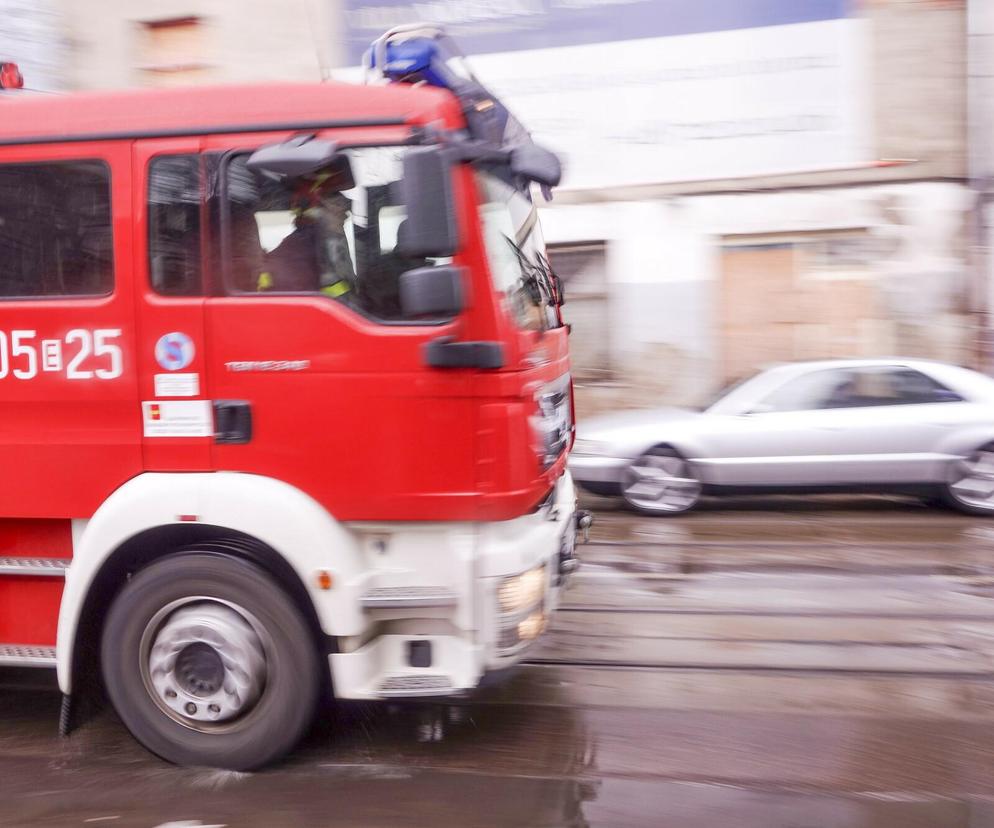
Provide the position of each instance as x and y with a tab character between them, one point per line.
590	468
444	581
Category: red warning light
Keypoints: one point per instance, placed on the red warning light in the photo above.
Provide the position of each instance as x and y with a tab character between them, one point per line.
10	76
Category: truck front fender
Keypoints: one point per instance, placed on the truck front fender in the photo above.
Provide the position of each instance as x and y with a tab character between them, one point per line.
275	513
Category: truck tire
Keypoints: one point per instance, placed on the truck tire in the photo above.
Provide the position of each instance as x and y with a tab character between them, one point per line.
209	663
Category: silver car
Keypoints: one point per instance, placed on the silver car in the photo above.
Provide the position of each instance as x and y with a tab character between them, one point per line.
903	425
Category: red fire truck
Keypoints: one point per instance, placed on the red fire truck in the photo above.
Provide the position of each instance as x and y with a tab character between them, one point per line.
284	400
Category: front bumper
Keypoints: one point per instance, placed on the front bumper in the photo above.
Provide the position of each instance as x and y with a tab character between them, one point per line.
470	636
591	468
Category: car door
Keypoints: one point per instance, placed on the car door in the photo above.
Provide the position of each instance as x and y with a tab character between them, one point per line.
889	430
788	436
839	426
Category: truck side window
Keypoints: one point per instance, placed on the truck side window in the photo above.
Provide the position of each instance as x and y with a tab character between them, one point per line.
56	237
174	198
314	236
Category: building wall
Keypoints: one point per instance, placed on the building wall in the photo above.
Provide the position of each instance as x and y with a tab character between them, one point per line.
980	51
874	270
32	37
874	258
247	40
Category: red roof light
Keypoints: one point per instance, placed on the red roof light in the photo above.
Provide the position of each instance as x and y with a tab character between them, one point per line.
10	76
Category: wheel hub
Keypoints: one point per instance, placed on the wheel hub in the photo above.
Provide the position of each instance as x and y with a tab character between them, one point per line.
973	481
661	483
203	662
199	669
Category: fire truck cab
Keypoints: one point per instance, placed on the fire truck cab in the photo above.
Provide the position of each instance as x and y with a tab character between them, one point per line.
284	405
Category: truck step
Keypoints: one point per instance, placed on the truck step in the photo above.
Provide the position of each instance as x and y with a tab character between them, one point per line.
408	597
35	567
26	655
416	684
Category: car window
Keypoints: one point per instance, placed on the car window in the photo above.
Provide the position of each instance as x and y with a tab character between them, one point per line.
857	388
830	388
906	386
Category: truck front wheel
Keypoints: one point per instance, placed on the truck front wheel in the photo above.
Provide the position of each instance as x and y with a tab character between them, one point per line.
208	662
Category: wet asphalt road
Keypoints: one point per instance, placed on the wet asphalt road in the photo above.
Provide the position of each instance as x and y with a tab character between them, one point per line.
820	663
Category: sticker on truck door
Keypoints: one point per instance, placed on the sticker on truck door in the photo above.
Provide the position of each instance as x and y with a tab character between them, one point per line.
177	418
177	385
174	351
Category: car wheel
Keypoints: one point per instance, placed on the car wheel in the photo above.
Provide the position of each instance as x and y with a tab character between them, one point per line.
208	663
970	486
660	482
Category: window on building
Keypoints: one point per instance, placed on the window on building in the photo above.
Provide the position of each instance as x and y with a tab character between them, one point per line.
56	237
583	269
172	51
174	245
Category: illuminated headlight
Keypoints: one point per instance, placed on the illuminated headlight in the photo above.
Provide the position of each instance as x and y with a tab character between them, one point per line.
519	592
532	627
590	447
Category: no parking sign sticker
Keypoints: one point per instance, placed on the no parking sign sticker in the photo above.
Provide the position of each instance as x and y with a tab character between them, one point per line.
174	351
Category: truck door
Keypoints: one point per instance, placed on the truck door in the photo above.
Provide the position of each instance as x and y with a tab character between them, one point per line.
310	389
70	423
176	418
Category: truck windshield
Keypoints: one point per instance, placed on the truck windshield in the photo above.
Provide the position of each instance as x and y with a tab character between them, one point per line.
342	243
516	254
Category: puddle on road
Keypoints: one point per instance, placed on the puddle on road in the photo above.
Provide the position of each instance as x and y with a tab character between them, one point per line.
825	519
489	764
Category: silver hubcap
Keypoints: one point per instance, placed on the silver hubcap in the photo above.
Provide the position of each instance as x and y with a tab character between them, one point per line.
662	484
203	662
973	480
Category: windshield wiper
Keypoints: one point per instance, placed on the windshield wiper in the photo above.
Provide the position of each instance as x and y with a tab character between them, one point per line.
538	278
557	282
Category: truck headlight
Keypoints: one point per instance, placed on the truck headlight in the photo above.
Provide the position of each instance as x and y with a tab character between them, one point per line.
518	592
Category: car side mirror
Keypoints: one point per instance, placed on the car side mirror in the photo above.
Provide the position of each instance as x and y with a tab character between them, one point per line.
437	291
426	190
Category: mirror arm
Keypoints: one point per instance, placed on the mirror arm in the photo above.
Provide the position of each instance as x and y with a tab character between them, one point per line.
478	152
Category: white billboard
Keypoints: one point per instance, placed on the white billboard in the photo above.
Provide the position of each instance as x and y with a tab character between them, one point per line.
647	91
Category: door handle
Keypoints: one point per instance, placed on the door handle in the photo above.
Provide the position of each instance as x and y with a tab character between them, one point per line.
232	421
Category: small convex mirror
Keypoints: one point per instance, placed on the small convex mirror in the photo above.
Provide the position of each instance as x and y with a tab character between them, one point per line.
301	156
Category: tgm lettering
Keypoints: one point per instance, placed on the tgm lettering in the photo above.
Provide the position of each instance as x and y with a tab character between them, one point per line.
82	354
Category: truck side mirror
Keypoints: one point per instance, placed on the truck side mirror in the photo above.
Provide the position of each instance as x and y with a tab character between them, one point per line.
535	163
432	291
426	190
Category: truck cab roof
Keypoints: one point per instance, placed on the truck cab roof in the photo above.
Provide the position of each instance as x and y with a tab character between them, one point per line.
203	110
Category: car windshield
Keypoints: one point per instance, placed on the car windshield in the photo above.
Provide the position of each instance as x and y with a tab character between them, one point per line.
515	249
713	401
